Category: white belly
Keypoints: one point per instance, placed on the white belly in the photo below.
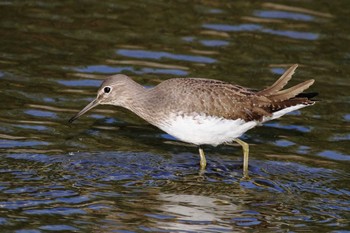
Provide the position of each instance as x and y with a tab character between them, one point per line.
201	129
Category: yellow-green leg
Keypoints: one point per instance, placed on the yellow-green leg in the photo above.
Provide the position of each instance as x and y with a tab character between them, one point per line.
203	162
245	147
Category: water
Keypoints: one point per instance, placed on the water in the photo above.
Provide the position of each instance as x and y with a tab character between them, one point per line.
112	172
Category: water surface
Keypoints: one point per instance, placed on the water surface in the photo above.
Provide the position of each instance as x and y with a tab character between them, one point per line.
112	172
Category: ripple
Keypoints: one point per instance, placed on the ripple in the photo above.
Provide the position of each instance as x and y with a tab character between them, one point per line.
263	184
19	204
346	117
233	28
27	231
49	100
35	127
300	128
246	221
16	143
65	211
293	34
215	11
159	55
73	200
58	228
340	137
56	193
304	150
30	157
214	43
20	190
40	113
104	69
274	14
297	9
3	221
259	28
208	43
97	116
279	71
334	155
162	71
114	70
80	83
284	143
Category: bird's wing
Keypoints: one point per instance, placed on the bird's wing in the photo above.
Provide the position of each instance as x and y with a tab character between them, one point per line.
211	97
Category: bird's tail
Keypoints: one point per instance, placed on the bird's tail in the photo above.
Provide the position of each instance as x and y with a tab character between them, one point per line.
281	99
280	83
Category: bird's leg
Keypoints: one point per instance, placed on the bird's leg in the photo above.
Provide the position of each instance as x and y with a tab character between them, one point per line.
245	147
203	162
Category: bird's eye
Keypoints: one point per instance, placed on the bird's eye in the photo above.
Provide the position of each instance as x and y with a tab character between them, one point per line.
107	89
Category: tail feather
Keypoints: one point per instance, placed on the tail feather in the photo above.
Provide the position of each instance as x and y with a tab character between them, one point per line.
281	101
292	91
278	109
289	103
280	83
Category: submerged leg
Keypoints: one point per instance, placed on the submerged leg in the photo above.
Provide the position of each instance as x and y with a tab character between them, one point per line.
203	162
245	147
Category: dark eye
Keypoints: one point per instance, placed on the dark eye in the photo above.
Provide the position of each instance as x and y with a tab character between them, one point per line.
107	89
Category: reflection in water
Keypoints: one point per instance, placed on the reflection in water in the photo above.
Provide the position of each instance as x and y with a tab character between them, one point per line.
189	209
112	172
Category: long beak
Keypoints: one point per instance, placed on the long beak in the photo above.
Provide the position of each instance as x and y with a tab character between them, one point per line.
91	105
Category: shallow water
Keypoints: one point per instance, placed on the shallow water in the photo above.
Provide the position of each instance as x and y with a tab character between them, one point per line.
112	172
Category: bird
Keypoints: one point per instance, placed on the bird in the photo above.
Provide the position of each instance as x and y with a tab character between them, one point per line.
203	111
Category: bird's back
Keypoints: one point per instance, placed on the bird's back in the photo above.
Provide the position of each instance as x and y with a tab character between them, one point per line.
210	97
226	100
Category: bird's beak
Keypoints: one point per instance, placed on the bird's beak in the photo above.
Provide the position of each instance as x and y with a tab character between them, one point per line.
91	105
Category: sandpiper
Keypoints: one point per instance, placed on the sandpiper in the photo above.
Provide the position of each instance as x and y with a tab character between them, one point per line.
204	111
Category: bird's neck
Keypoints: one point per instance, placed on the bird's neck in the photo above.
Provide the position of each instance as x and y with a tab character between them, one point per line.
134	97
144	102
